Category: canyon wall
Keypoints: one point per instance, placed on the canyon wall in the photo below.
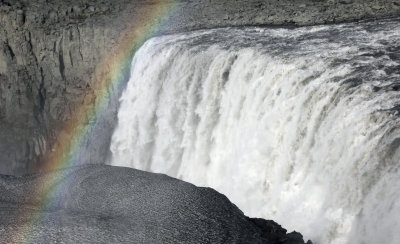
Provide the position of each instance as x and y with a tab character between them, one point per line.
53	54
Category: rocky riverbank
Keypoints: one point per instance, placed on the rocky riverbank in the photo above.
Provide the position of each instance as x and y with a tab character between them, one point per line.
53	54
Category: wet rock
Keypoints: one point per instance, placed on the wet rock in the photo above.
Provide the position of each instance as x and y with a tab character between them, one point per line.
105	204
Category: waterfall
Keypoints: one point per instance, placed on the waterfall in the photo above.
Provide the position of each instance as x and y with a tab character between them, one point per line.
296	125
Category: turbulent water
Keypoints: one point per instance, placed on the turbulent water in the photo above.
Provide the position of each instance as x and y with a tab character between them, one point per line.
297	125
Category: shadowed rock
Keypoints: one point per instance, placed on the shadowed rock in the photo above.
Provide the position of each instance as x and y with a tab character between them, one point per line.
105	204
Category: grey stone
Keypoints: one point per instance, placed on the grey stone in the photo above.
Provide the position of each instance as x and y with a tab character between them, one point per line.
105	204
346	1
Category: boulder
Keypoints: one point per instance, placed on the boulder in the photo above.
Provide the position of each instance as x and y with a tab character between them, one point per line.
106	204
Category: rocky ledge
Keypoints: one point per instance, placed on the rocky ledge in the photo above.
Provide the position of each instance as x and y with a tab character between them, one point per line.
106	204
54	53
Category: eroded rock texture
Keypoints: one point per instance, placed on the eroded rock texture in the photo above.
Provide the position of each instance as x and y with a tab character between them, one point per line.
54	53
105	204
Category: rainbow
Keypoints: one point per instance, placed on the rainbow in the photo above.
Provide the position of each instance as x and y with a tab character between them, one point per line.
65	153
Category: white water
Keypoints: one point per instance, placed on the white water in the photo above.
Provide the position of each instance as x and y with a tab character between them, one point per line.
299	126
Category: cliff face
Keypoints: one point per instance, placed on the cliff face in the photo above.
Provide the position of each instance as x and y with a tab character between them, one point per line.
53	53
50	55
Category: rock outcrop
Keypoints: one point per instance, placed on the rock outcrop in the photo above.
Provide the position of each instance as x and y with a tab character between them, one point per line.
53	54
105	204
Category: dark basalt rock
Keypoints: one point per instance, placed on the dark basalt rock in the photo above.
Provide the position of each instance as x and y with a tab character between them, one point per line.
106	204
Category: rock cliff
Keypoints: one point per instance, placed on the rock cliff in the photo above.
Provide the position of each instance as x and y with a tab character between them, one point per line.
73	206
53	54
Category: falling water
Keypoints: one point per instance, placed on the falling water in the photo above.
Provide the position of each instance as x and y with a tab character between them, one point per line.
297	125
